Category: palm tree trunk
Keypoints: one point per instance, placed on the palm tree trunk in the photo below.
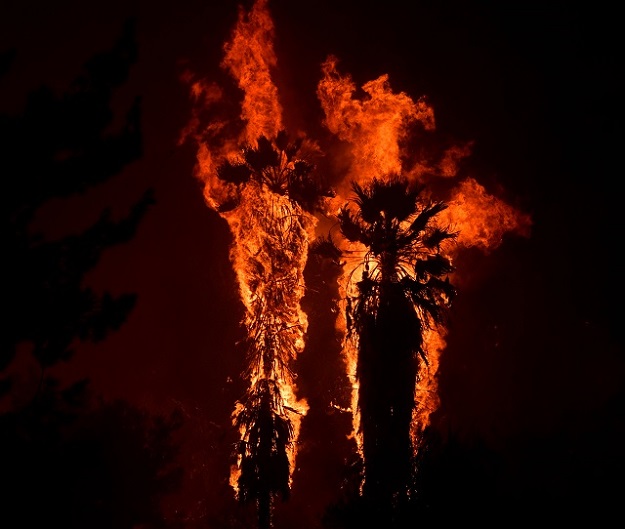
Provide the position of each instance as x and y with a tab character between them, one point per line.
264	505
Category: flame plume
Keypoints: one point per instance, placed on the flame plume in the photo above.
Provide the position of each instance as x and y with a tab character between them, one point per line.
260	183
249	57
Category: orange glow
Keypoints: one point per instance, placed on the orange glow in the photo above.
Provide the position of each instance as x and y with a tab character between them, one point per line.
270	231
249	57
482	218
426	389
373	126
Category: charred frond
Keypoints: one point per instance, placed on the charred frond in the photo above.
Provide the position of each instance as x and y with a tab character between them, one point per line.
436	237
433	265
351	228
283	142
391	198
426	214
234	173
443	287
304	188
263	449
261	157
325	247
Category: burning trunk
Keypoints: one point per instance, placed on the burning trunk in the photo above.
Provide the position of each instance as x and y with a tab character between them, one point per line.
377	128
269	261
261	183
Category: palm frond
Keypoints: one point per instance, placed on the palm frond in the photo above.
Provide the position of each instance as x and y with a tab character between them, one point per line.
304	188
426	214
351	228
325	247
261	157
442	286
234	173
433	265
396	199
367	201
435	238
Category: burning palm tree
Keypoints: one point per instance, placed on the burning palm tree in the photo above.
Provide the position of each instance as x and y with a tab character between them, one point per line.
397	291
272	198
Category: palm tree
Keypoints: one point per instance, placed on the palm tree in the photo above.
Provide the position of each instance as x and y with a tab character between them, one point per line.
402	292
283	166
272	196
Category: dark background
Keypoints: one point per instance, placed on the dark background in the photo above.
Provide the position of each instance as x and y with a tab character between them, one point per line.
532	379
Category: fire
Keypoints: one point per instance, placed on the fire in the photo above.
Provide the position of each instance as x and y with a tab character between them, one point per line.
426	390
483	219
271	286
272	231
249	56
376	127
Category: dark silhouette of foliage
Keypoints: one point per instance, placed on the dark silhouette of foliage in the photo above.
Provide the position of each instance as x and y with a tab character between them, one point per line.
285	166
68	460
264	465
57	147
403	292
457	481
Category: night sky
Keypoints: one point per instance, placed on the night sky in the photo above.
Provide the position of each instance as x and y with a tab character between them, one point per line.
534	370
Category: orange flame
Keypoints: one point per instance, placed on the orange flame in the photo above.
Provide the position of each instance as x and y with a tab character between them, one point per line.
249	56
375	127
257	222
482	218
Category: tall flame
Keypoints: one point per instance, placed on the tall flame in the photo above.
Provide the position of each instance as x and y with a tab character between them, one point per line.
249	56
270	231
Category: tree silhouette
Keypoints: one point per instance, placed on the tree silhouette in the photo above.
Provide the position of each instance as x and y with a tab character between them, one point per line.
72	462
274	194
403	290
68	460
56	148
